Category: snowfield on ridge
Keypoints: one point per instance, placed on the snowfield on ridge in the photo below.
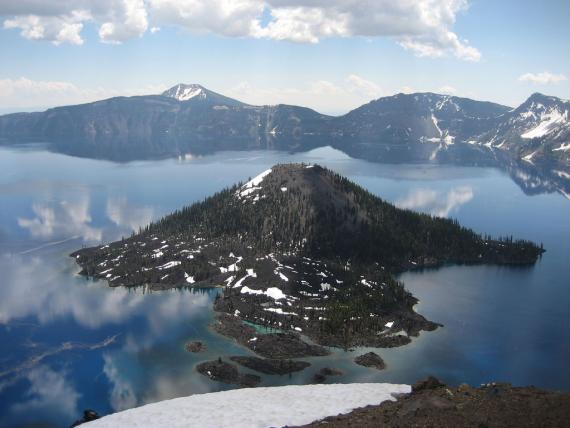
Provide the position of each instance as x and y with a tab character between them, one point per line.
255	408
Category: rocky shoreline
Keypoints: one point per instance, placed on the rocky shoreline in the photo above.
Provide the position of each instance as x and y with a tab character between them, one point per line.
271	345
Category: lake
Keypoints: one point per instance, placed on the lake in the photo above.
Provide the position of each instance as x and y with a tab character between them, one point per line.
69	343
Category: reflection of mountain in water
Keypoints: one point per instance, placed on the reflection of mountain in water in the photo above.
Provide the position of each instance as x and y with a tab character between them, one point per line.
529	142
534	180
191	118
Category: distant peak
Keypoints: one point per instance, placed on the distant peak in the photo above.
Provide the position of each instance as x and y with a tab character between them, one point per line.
185	92
538	97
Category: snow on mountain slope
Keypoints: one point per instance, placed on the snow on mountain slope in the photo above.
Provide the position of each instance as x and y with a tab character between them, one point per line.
420	117
259	407
537	130
548	121
183	92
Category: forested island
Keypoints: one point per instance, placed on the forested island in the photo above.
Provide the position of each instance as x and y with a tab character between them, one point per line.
299	250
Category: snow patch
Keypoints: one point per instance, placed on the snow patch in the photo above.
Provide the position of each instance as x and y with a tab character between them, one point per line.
252	185
185	93
548	123
528	158
435	123
255	408
169	265
563	147
280	311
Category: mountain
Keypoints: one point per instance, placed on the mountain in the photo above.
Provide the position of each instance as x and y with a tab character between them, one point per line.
404	127
302	248
184	118
197	93
537	130
421	117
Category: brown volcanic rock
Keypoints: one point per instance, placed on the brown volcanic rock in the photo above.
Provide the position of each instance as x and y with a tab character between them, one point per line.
432	404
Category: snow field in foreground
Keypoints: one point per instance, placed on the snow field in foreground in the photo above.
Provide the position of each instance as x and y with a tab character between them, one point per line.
255	407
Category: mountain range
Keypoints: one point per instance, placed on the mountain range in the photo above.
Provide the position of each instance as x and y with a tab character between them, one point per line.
191	118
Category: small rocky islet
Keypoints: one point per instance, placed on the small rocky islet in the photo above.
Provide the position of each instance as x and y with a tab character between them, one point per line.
195	346
371	359
302	251
276	366
225	372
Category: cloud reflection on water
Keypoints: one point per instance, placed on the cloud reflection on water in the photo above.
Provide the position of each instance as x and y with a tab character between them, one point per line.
44	289
50	391
127	215
62	219
436	203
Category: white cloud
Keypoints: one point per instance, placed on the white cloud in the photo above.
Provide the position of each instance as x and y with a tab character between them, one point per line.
447	89
232	18
63	21
425	27
56	29
24	87
127	19
407	90
543	78
363	86
436	203
322	95
438	44
22	93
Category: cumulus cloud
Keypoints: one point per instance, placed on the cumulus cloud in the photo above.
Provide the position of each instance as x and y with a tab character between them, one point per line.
424	27
62	21
437	203
56	29
232	18
543	78
124	20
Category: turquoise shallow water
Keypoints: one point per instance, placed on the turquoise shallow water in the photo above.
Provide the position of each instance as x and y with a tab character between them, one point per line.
69	343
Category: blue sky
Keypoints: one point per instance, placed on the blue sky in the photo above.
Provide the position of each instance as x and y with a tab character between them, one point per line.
329	55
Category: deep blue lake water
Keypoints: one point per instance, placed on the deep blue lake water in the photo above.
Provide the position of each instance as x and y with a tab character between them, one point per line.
69	343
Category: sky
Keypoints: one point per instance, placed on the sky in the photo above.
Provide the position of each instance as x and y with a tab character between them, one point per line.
330	55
